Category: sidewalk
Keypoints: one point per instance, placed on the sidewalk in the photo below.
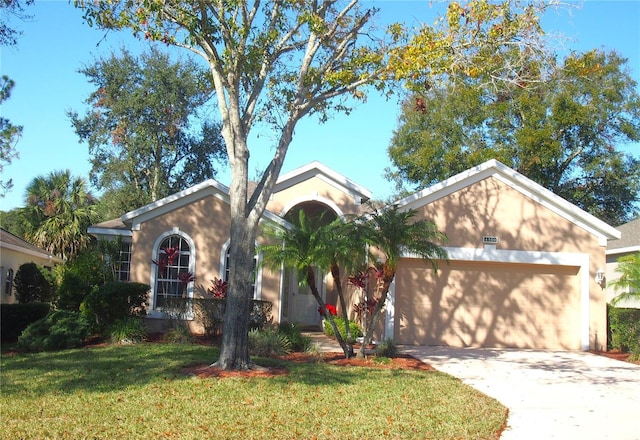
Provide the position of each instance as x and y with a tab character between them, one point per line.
323	342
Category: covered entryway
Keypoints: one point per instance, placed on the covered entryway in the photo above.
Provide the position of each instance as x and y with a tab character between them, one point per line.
492	303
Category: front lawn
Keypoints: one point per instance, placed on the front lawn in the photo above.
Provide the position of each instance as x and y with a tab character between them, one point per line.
139	392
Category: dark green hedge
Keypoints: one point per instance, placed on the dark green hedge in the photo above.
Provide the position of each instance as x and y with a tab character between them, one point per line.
624	328
14	318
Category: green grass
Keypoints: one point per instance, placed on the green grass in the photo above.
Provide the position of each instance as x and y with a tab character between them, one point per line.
139	392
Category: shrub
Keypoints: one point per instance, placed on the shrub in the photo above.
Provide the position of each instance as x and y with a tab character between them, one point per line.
129	330
58	330
387	349
298	341
113	301
356	332
71	292
179	334
268	342
624	325
210	312
33	283
14	318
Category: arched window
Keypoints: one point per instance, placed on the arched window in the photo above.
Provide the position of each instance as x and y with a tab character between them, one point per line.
173	265
256	274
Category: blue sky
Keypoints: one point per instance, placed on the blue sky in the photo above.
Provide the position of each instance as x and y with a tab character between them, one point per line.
56	43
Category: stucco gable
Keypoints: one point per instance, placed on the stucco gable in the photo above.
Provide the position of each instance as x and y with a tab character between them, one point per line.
520	183
208	188
318	170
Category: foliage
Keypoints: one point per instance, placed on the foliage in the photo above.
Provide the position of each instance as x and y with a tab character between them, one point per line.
275	62
14	318
128	330
59	209
298	341
178	334
33	283
395	232
354	327
113	301
209	312
140	127
562	131
260	314
387	349
624	326
329	308
9	35
218	288
9	133
59	330
629	281
268	342
147	378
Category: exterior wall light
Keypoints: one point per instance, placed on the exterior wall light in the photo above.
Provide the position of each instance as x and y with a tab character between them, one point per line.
600	277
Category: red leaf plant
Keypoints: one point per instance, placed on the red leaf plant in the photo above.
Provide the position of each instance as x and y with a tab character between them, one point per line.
218	288
330	308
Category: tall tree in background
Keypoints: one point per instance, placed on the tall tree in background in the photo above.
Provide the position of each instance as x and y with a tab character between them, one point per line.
563	132
277	61
143	140
59	209
9	133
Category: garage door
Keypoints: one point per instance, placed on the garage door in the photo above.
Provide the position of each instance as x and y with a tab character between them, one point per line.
486	304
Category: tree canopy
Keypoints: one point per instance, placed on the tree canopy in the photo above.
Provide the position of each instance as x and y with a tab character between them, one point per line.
9	135
562	131
141	127
277	61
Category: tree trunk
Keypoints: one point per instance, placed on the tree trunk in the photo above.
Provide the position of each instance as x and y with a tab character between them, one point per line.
387	279
335	273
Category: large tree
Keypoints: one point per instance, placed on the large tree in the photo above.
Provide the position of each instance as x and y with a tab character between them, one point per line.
276	61
562	131
59	209
9	135
140	127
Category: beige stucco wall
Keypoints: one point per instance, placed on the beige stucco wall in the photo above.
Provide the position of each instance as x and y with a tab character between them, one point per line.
501	304
12	259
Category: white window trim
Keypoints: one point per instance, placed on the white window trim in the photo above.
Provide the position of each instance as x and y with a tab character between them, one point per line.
153	312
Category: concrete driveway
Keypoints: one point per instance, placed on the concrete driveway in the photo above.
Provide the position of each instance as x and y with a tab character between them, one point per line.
550	395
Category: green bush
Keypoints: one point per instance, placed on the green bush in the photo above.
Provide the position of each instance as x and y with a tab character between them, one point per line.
57	331
268	342
179	334
129	330
14	318
356	332
624	327
210	312
298	341
387	349
33	283
114	301
71	292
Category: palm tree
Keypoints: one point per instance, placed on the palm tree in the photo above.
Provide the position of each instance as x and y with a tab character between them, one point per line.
629	281
60	209
309	244
393	233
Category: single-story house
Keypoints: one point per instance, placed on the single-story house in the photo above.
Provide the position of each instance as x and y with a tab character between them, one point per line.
627	244
521	272
14	252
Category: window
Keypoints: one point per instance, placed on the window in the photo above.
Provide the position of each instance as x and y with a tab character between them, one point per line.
172	266
255	274
123	265
9	282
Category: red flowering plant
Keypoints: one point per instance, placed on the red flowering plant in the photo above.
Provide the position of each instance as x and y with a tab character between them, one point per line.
218	288
329	308
185	278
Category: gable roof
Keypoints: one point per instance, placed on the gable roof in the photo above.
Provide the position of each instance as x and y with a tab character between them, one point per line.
132	219
522	184
317	169
15	243
629	240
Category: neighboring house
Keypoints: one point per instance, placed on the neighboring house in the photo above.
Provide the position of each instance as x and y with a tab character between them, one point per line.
627	244
14	252
521	273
